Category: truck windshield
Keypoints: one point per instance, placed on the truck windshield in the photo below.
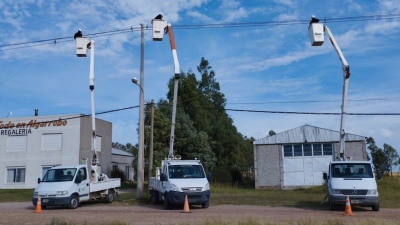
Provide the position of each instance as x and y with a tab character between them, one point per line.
185	171
352	170
59	175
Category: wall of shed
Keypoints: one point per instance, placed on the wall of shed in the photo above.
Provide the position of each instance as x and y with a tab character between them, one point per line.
268	165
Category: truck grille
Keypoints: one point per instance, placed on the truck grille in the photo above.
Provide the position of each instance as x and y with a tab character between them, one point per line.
191	189
354	192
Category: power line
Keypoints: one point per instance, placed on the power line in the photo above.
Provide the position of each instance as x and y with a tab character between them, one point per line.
202	26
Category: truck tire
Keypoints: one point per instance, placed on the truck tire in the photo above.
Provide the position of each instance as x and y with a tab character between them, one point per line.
155	197
73	202
205	205
110	196
167	205
375	207
332	207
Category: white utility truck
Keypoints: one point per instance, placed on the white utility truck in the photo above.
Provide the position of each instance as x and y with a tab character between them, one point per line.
70	185
345	177
354	179
180	178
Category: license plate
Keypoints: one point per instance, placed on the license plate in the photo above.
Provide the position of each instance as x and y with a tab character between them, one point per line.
355	201
45	200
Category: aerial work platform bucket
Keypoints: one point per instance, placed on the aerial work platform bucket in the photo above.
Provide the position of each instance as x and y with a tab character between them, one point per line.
81	46
316	32
158	29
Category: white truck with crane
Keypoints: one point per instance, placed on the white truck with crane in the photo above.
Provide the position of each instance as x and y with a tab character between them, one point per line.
68	185
345	177
177	178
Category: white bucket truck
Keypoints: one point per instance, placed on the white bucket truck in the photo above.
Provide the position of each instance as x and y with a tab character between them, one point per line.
354	179
70	185
180	178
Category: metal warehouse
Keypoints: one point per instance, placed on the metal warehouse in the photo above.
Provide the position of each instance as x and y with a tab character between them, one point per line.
298	157
29	146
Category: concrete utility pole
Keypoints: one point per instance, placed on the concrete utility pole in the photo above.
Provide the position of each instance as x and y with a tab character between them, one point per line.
151	139
140	169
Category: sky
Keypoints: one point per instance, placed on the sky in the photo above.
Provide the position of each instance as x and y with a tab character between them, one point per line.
264	63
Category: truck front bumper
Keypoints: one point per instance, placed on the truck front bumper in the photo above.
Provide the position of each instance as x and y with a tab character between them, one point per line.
361	200
175	197
52	201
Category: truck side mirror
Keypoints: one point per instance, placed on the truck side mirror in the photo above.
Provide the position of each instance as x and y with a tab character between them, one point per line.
38	180
325	176
163	177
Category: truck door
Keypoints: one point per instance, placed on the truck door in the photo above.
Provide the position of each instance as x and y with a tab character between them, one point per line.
83	187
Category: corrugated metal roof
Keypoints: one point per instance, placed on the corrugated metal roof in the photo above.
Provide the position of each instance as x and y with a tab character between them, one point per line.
306	133
116	151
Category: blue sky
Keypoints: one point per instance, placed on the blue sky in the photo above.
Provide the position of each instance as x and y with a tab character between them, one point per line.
269	67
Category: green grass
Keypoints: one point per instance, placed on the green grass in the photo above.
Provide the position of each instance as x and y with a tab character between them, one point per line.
389	191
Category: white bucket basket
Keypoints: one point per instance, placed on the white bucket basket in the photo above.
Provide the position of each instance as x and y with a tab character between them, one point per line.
316	32
81	46
158	29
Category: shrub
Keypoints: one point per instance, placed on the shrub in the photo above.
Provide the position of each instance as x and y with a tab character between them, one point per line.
221	175
118	173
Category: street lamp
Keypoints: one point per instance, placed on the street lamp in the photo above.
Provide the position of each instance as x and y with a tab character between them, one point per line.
316	33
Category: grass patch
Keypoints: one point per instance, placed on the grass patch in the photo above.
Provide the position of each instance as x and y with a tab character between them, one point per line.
389	191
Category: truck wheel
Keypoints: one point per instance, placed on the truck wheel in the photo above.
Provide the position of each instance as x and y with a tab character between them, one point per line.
110	196
155	198
375	207
73	202
205	205
332	207
167	205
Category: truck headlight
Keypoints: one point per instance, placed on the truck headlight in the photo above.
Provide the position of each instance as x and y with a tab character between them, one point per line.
61	193
35	194
207	187
372	192
173	187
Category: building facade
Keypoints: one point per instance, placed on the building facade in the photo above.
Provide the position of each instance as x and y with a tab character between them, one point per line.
122	160
29	146
298	157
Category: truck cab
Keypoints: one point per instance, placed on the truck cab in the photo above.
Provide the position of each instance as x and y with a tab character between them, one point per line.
354	179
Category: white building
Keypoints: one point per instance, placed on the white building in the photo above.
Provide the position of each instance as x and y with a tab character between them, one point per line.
123	161
29	146
298	157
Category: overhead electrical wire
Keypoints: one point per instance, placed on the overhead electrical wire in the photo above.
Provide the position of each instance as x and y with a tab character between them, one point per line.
29	44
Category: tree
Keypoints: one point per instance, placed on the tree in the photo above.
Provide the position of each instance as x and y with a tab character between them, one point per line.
271	133
382	159
392	157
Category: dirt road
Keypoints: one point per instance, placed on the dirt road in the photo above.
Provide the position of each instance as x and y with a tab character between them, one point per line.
99	213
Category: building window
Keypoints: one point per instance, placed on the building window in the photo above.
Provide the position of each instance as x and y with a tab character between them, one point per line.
307	150
127	172
317	149
16	143
98	144
287	151
327	149
15	175
297	150
115	167
52	142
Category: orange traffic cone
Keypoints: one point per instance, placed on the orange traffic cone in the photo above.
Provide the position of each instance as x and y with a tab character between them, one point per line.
347	209
186	205
38	205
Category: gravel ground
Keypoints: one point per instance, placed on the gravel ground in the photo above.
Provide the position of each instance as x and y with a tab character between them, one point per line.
22	213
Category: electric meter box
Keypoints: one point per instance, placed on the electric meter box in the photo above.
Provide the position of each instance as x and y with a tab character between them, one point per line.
158	29
81	46
316	32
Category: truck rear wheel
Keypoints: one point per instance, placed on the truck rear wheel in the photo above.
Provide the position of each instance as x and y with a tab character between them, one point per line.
332	207
155	198
73	202
110	196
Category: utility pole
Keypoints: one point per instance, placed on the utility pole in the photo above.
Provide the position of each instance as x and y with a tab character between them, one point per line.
140	169
151	139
